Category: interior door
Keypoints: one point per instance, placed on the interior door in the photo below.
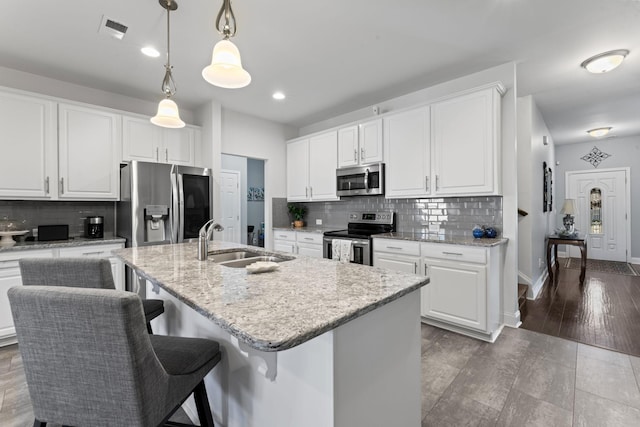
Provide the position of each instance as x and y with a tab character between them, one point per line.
602	199
230	197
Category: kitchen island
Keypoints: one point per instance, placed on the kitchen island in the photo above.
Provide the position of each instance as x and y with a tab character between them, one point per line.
314	343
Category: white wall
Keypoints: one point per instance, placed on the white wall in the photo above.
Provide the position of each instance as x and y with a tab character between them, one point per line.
625	152
506	74
249	136
45	86
534	227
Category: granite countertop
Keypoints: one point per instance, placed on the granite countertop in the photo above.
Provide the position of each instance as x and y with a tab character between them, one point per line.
272	311
442	238
72	242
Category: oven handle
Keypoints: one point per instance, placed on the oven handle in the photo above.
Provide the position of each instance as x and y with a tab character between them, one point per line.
359	242
366	179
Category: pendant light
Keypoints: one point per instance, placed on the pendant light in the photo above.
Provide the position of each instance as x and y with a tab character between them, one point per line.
226	67
168	115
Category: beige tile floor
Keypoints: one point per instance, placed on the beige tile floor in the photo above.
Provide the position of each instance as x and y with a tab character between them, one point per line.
524	379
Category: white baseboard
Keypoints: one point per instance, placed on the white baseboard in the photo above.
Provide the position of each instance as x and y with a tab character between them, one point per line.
634	260
534	290
512	319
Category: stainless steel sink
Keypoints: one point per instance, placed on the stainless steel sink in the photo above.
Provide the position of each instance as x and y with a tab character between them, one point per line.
242	258
230	256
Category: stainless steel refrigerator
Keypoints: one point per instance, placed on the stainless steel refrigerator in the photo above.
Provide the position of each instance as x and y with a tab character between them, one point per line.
162	203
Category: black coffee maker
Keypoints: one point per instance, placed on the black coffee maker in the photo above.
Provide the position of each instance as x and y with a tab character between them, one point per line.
95	227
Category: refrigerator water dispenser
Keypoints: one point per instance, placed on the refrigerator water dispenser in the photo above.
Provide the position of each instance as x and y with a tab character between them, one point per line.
154	218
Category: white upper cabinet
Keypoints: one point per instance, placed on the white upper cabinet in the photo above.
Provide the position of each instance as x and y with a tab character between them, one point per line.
407	149
360	144
465	133
144	141
88	153
311	168
29	146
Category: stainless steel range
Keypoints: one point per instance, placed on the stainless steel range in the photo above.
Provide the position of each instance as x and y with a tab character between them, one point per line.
361	226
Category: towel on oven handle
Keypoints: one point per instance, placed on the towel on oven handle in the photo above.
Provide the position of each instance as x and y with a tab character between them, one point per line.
342	250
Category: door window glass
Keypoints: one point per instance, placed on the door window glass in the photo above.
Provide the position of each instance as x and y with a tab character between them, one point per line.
595	211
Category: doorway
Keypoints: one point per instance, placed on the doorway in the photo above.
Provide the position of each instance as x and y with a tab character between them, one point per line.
230	199
603	200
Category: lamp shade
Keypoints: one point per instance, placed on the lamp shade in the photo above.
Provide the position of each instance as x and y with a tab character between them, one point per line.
569	207
226	67
168	115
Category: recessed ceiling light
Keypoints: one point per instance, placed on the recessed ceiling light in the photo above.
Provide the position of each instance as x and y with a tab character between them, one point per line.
150	51
598	132
605	62
279	96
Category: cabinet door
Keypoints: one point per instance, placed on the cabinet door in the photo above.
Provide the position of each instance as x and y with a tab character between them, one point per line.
407	152
323	160
311	250
10	277
141	139
284	246
465	135
405	264
298	170
89	153
28	135
348	146
99	251
457	293
179	146
371	142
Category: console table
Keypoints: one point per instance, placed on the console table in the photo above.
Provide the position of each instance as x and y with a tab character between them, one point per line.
552	243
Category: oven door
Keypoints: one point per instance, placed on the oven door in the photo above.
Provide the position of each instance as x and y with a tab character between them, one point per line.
361	250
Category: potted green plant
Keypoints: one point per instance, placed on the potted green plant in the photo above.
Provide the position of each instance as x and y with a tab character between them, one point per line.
297	212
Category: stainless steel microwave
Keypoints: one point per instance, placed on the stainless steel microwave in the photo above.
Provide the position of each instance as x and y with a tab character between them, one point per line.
360	180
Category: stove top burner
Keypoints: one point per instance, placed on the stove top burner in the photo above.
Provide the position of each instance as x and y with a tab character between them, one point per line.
365	224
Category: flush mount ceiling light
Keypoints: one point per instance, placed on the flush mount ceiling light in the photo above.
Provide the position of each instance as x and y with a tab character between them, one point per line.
605	62
168	115
598	132
150	51
226	69
278	96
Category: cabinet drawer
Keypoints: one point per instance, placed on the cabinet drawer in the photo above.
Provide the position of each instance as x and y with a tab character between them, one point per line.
312	238
96	251
396	246
289	236
10	259
454	252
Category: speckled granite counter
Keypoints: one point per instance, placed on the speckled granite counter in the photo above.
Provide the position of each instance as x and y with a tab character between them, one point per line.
72	242
272	311
442	238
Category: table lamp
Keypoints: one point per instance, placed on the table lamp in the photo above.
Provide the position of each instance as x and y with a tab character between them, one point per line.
569	208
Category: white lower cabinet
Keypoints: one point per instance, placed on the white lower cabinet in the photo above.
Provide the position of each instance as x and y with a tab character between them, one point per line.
298	242
463	294
10	275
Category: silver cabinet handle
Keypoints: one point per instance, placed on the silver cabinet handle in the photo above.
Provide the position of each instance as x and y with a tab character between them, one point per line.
157	154
426	183
308	238
93	253
394	247
311	192
426	273
452	253
437	183
283	236
415	268
166	155
362	154
46	185
306	192
355	155
62	185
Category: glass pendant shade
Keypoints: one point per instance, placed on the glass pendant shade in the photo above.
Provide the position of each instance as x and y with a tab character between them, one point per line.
168	115
226	67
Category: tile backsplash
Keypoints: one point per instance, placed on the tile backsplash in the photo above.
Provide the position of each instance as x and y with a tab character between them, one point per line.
454	215
35	213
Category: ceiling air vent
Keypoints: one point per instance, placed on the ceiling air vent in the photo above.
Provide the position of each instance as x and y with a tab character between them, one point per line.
112	28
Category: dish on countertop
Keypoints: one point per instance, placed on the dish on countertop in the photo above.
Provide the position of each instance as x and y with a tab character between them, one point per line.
262	267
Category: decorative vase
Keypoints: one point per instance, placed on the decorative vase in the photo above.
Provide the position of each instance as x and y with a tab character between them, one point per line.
478	232
298	223
490	232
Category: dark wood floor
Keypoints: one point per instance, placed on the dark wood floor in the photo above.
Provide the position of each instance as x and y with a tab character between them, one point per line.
604	311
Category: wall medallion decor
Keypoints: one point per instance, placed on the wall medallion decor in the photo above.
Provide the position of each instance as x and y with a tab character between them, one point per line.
547	195
595	156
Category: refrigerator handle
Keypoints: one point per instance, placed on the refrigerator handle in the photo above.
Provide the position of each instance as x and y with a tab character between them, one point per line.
174	220
180	205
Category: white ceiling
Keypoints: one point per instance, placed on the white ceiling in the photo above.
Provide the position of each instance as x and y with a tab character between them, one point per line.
335	56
